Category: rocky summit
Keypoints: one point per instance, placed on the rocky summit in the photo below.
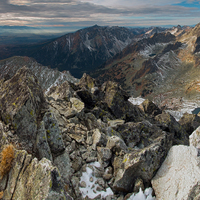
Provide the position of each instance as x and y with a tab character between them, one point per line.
86	140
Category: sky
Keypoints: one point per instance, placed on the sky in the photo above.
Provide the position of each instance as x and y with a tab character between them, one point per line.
70	15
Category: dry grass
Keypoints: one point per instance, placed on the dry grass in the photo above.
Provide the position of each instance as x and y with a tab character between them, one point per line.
7	156
1	195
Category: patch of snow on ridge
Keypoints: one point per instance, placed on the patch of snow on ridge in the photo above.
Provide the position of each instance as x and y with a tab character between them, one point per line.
136	101
91	186
147	195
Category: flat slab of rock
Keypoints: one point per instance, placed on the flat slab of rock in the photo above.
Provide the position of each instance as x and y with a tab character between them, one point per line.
179	176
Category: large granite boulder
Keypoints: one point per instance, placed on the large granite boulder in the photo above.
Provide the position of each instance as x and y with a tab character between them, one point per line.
20	104
179	176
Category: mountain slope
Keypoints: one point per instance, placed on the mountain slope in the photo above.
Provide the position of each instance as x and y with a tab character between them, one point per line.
46	76
162	66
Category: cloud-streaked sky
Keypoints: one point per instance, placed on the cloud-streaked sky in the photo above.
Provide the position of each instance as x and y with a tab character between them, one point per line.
74	14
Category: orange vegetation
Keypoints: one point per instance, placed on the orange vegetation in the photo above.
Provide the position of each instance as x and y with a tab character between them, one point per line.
1	195
7	156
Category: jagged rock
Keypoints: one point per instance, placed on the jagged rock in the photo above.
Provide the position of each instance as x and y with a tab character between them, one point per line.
42	144
87	82
195	138
54	136
63	163
77	104
20	104
63	91
138	185
99	139
116	144
189	122
139	134
179	176
115	123
117	101
140	163
150	108
169	124
33	179
104	155
108	174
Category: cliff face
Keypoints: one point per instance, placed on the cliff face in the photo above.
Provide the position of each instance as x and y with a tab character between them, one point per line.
83	139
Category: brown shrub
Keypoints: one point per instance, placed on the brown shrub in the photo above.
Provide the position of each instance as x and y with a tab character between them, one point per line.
7	156
1	195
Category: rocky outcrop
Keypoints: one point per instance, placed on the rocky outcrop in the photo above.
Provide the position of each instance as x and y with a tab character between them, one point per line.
84	140
179	176
20	105
33	179
168	123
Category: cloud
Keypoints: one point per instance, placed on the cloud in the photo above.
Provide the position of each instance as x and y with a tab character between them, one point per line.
89	12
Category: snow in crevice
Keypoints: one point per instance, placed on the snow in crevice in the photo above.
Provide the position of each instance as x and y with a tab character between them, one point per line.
87	43
136	101
91	183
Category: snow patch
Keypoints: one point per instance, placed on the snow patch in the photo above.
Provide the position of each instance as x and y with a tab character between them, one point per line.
91	183
147	195
136	101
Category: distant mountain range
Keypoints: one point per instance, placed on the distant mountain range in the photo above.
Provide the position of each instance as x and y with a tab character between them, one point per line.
82	51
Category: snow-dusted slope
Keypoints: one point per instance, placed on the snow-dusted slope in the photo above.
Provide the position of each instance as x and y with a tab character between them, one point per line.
46	76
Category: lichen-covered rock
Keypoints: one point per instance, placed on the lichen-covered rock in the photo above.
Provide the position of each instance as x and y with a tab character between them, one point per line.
77	104
63	163
87	81
117	100
169	124
33	179
150	108
189	122
140	134
115	123
54	136
104	155
42	145
116	144
140	163
63	91
20	104
179	176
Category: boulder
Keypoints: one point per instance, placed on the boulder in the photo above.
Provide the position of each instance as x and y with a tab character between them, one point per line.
63	163
195	138
150	108
140	134
168	123
20	104
189	122
141	163
87	82
42	145
63	91
179	176
117	100
54	136
33	179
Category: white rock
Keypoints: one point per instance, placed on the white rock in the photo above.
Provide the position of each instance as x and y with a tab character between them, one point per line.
179	176
195	138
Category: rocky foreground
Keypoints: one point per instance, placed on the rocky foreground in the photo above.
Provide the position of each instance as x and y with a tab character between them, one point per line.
87	141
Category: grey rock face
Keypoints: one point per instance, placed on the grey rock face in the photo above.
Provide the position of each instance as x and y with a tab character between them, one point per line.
54	136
